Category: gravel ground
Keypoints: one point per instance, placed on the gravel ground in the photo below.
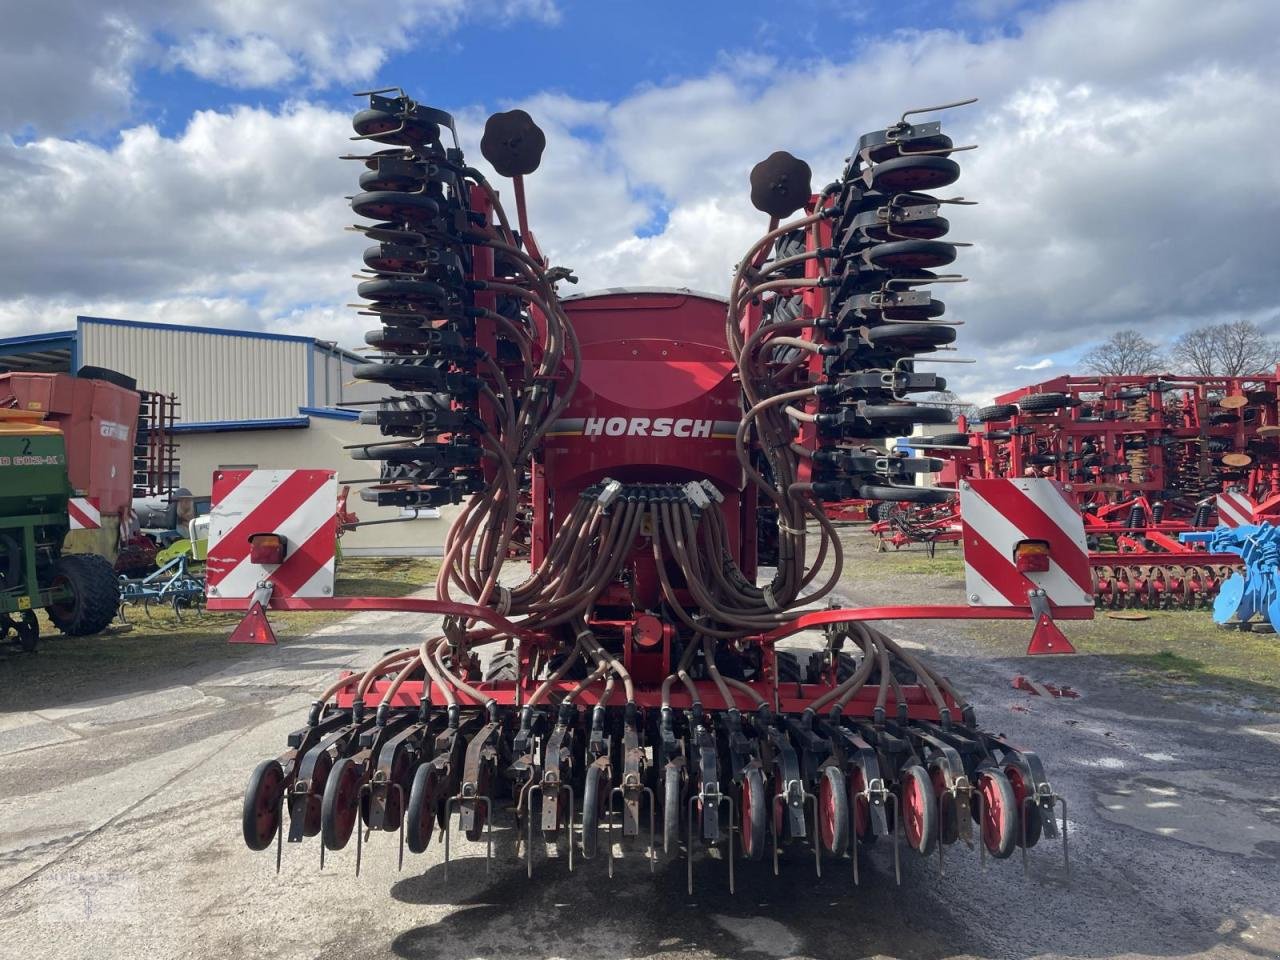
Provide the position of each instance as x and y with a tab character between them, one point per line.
119	835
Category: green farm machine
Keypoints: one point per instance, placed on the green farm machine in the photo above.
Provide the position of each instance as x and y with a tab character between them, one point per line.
66	449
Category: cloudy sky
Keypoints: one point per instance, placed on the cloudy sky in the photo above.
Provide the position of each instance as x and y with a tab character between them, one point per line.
178	162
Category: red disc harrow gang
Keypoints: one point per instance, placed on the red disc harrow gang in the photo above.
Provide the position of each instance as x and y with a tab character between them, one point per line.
657	449
1147	457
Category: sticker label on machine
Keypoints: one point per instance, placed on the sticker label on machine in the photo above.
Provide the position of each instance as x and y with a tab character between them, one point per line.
1235	509
299	505
996	516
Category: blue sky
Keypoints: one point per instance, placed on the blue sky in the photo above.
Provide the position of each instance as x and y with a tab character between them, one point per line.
178	162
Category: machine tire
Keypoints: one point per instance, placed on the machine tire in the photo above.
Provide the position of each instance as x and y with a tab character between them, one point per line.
919	809
260	815
395	207
1043	402
788	667
594	794
907	174
502	667
27	632
424	802
107	376
908	494
900	414
1033	826
912	254
670	808
1000	815
484	788
861	807
340	807
833	811
95	594
753	830
913	337
948	815
997	411
943	440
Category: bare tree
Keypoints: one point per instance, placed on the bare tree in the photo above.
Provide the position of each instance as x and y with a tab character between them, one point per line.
1230	349
1125	353
949	399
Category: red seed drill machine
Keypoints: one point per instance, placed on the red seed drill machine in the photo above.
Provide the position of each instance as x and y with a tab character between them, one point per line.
675	450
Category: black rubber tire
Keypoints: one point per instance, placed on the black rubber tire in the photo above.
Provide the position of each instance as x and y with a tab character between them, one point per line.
95	594
502	666
671	807
1017	779
833	800
595	792
912	254
789	668
108	376
908	494
380	257
1000	839
904	413
260	813
398	289
753	836
906	174
27	632
1042	402
393	206
943	440
423	811
386	127
913	337
997	411
1042	459
337	823
375	180
403	376
948	814
919	780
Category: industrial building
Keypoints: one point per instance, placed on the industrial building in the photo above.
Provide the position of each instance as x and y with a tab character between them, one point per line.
244	399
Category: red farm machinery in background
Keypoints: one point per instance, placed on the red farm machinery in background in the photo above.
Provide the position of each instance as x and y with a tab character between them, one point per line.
1147	457
669	455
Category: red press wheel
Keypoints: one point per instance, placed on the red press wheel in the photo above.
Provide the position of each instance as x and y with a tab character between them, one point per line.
753	804
594	806
999	814
1029	812
340	805
833	811
311	812
482	808
424	803
261	814
861	806
919	809
948	827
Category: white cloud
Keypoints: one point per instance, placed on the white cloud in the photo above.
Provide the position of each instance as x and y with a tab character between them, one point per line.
1126	174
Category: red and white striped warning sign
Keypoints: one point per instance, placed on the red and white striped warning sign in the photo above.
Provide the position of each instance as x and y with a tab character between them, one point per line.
84	513
1235	509
996	516
299	505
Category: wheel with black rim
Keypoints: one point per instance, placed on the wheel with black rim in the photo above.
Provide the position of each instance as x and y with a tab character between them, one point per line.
911	337
752	811
311	811
340	805
919	809
999	813
903	413
943	440
93	593
424	807
260	814
595	795
833	811
906	174
386	127
870	491
671	807
401	290
1028	821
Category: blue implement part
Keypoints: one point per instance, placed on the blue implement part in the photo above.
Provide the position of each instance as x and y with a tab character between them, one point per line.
1256	589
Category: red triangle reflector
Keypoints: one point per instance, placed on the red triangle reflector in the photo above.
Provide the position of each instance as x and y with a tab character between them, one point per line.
254	628
1047	638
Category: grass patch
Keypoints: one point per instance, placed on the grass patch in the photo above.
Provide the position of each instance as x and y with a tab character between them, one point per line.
1179	647
947	561
133	656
